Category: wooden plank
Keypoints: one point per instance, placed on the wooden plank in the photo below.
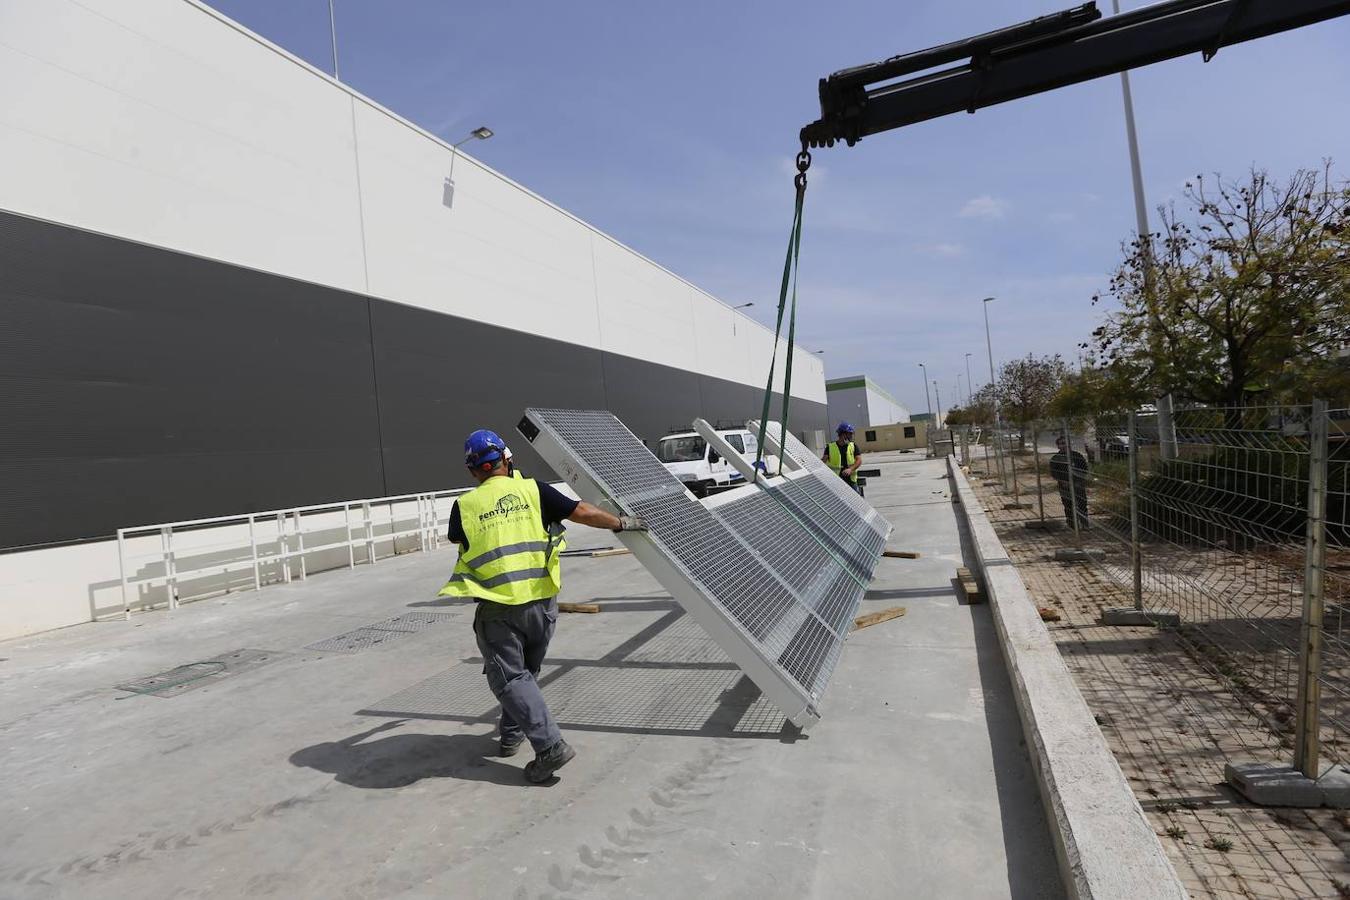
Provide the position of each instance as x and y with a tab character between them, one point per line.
900	554
617	551
579	607
884	615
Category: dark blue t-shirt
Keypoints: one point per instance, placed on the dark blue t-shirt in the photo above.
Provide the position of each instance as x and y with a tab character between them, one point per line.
555	507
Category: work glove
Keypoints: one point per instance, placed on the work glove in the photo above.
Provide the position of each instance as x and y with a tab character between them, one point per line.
631	523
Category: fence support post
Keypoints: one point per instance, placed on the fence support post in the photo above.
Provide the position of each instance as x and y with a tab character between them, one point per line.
1307	739
1036	450
1073	492
1136	563
1136	614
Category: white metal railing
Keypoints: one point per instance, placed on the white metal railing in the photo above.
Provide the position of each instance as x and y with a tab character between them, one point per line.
287	547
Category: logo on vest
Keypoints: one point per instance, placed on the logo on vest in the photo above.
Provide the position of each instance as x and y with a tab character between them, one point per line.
506	506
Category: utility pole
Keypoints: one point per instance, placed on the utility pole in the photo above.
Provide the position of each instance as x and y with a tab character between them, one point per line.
937	391
970	382
332	30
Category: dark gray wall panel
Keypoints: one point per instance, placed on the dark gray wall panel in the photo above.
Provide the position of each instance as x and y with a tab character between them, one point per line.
139	385
442	376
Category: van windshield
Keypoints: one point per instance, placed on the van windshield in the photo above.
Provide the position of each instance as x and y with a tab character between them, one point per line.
681	449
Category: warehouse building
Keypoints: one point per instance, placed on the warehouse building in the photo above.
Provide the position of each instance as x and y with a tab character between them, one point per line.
861	401
232	283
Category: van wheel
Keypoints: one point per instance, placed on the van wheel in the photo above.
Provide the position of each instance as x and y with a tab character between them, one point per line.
700	489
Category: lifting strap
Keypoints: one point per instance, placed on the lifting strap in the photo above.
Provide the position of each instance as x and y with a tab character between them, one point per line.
790	269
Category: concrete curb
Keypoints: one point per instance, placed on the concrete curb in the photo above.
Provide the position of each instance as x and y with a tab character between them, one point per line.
1105	845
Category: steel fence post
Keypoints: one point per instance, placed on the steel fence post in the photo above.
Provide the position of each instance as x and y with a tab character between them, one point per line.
1136	563
1036	451
1307	738
1073	494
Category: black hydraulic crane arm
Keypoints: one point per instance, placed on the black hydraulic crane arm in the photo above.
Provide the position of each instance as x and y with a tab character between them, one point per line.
1046	53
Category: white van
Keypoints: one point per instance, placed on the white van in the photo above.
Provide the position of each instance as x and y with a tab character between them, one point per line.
702	469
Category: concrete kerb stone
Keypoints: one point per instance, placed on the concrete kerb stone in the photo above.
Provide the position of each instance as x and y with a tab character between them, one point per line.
1105	844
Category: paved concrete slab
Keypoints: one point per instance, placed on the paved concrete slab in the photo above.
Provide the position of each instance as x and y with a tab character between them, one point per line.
369	773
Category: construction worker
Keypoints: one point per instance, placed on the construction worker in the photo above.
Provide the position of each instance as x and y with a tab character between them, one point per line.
507	531
1069	468
843	456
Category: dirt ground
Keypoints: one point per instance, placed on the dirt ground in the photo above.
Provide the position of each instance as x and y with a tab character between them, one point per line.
1173	721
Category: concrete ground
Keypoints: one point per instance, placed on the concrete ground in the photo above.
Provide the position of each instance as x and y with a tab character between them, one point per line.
370	772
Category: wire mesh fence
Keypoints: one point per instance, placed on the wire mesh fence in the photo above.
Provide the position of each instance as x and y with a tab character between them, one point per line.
1236	519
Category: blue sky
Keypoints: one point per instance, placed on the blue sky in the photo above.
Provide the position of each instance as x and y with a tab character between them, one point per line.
673	127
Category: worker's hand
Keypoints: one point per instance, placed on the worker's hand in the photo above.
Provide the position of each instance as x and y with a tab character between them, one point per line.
631	523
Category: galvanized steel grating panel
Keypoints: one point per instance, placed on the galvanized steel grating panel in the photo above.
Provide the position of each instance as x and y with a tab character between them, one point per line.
379	632
785	565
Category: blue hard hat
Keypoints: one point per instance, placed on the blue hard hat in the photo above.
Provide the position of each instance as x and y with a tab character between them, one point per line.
844	428
483	446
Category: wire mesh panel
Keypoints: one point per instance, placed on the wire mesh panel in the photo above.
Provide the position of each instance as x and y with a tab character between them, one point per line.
1221	533
775	573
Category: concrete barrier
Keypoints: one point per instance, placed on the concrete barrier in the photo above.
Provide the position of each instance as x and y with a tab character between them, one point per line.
1105	844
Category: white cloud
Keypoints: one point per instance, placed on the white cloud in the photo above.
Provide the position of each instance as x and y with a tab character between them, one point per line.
983	207
947	251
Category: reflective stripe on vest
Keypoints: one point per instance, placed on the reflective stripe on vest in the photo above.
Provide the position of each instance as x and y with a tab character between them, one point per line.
849	456
511	558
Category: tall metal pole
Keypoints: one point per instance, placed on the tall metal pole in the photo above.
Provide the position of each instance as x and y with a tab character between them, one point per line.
926	399
1307	739
970	382
937	391
1166	428
332	28
993	388
958	390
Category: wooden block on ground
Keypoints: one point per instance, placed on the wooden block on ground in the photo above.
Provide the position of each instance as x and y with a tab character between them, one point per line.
969	586
900	554
579	607
884	615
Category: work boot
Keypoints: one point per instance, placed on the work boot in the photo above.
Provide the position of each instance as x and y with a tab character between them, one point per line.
542	767
510	748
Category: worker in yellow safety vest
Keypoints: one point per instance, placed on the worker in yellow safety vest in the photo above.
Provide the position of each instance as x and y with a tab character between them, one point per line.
844	457
508	531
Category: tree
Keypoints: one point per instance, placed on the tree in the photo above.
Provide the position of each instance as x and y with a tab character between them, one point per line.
1249	295
1097	390
979	411
1026	387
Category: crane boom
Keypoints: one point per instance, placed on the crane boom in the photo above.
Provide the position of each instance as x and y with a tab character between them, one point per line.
1040	55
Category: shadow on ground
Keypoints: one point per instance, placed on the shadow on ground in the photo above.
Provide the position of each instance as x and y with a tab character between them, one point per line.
403	759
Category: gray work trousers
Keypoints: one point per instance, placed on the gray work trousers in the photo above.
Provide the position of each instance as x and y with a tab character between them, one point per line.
513	641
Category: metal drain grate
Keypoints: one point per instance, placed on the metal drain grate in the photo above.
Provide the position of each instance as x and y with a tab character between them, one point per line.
203	673
379	632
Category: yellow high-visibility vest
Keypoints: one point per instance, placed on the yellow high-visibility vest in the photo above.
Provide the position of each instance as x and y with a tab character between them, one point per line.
839	461
511	558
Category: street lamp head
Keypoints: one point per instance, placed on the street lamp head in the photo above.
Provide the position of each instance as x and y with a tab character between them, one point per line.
986	299
482	132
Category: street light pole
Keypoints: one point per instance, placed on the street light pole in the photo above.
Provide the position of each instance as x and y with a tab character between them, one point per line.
938	392
958	389
970	382
993	386
928	400
1167	432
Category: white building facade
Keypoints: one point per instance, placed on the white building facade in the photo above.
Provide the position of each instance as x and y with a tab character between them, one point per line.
861	401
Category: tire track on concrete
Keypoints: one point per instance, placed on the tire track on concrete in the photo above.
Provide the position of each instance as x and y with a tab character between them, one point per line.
149	845
634	839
